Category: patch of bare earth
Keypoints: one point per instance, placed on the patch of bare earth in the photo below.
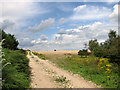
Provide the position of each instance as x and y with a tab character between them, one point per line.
45	74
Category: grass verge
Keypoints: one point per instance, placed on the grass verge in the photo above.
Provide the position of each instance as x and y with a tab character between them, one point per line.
16	73
42	56
30	53
99	71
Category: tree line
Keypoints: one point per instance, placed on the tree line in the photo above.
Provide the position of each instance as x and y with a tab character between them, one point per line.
10	41
108	49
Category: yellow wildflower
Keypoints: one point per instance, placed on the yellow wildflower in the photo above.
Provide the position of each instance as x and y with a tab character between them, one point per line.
108	76
108	65
87	60
108	69
107	72
102	59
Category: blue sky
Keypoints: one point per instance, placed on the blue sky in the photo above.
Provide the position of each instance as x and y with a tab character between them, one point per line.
58	25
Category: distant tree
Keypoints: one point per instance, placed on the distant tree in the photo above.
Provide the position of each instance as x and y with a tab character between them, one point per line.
55	50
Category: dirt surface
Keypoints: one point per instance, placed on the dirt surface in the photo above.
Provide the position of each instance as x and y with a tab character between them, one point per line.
45	74
58	52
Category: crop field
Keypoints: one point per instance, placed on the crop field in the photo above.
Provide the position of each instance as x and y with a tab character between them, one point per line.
58	52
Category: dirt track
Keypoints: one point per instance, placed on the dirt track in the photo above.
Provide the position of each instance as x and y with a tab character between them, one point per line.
45	74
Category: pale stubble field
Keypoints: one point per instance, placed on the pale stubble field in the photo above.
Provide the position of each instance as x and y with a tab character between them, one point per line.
58	52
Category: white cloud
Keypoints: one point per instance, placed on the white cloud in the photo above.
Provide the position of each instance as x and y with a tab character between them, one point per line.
48	23
20	10
62	20
18	13
61	31
87	12
77	9
42	39
61	1
73	38
6	24
101	0
73	24
114	15
81	34
25	42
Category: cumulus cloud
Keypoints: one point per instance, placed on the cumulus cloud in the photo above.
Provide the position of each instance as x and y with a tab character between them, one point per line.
62	20
101	0
114	15
77	9
45	24
26	42
73	38
87	12
20	10
73	24
42	39
94	26
6	24
62	31
61	1
15	15
82	33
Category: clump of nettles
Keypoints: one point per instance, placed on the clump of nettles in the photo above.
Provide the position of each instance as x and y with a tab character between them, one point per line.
2	59
0	63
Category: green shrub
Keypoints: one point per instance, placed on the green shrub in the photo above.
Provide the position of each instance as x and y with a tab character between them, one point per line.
108	49
42	56
82	52
10	41
16	74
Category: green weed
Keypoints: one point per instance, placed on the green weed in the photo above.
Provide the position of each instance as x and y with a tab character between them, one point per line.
16	74
30	53
91	68
42	56
61	79
36	60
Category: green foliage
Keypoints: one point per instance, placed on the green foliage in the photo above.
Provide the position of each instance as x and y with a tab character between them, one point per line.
92	68
30	53
93	44
61	79
42	56
15	69
16	74
108	49
82	52
10	42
